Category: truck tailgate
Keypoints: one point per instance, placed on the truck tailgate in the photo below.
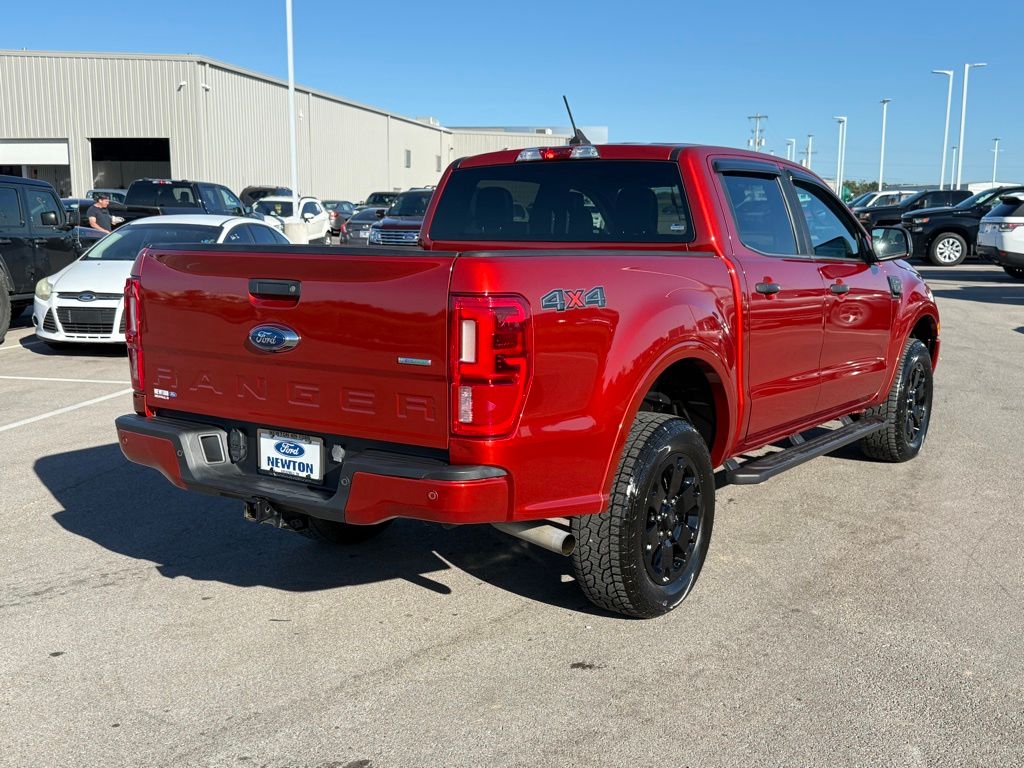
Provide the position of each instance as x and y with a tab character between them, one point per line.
371	357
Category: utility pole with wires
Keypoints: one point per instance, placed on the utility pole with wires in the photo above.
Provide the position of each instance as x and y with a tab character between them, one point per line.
809	151
791	150
757	141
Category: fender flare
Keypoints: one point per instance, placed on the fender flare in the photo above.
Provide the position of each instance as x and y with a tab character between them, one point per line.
688	350
924	312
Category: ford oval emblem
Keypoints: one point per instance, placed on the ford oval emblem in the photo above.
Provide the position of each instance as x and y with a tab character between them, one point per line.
87	296
289	449
272	338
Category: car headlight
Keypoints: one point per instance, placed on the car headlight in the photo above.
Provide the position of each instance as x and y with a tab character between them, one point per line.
375	236
44	289
919	221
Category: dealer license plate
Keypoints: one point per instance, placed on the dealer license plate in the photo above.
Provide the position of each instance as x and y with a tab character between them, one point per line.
290	455
365	233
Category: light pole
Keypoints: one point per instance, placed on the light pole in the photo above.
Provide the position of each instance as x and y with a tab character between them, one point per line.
881	160
841	155
963	122
791	150
945	134
952	167
995	160
291	121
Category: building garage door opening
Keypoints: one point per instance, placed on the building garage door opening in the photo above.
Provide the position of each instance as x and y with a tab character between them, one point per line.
43	159
116	163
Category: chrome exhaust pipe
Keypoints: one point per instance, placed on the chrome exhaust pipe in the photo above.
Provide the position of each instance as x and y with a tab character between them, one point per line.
542	534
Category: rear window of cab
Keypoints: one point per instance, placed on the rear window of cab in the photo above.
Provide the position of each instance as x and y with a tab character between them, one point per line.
571	201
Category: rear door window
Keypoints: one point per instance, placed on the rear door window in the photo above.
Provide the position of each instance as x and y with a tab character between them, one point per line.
266	235
1010	207
579	201
760	212
239	236
10	209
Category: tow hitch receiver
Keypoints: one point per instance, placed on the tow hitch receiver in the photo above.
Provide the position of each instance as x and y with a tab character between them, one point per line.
262	511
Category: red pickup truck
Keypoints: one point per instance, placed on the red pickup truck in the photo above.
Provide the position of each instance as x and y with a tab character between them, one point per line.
585	334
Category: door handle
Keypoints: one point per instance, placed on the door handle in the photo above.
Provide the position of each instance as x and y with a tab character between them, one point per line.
40	240
839	288
767	289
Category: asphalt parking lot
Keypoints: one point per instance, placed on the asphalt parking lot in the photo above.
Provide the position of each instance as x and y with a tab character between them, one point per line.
850	613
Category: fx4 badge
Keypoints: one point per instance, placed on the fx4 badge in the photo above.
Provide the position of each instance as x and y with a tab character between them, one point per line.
563	299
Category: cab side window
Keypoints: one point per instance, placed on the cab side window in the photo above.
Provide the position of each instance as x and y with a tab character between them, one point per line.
311	208
40	202
760	212
832	234
230	203
10	208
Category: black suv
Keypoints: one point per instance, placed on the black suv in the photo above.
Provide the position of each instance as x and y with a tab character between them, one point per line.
947	236
891	215
36	240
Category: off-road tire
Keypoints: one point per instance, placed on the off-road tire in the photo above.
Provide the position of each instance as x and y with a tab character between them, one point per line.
332	532
1015	272
611	558
945	244
5	310
892	442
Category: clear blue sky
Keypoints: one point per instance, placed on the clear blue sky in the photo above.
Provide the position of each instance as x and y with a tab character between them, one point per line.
650	71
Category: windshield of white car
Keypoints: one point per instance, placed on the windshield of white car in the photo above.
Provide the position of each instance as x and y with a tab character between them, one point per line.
273	208
125	243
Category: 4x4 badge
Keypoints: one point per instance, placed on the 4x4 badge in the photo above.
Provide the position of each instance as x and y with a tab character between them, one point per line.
562	299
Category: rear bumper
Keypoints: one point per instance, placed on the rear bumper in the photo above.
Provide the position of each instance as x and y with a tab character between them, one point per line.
1000	257
371	485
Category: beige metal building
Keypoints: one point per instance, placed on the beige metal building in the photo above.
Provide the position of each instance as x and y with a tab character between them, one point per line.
89	120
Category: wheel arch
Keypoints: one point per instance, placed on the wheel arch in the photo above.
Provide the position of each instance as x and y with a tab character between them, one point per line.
926	329
691	369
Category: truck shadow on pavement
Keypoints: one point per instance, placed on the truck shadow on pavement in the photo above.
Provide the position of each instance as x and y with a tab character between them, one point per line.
135	512
1006	291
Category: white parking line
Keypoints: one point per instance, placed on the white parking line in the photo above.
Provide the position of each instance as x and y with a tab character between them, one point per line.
22	346
59	411
70	381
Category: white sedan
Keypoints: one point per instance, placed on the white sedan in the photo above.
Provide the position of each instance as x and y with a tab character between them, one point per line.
84	302
314	220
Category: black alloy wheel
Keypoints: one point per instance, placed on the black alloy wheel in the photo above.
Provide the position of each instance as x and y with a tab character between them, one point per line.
675	512
906	410
918	403
642	555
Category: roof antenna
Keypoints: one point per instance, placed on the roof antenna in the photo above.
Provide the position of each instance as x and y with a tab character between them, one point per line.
578	137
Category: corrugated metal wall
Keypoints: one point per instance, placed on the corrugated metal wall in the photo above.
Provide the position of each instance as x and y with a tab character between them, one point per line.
234	132
477	142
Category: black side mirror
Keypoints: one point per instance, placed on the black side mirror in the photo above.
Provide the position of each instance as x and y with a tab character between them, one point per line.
890	243
380	213
49	219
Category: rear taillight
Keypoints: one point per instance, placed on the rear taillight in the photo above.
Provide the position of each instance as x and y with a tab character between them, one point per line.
490	363
344	227
132	327
1008	227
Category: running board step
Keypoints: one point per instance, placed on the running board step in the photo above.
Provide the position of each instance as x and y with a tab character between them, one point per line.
767	467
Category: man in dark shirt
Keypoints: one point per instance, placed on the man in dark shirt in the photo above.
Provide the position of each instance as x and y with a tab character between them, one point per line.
99	216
